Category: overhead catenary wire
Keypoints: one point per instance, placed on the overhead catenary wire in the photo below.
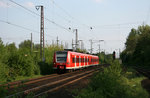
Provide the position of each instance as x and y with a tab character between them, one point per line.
22	27
73	18
18	26
58	25
62	9
120	24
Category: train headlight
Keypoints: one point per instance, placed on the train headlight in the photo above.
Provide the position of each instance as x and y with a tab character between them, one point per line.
54	63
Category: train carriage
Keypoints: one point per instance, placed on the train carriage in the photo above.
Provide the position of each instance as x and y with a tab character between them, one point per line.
68	60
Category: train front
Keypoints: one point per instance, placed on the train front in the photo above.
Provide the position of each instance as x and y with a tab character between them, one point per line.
59	61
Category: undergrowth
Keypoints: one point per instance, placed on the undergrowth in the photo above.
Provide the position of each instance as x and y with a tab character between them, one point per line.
114	83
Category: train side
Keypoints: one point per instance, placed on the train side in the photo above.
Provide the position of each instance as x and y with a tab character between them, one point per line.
68	60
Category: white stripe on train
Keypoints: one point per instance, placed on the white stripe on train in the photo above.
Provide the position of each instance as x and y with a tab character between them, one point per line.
76	67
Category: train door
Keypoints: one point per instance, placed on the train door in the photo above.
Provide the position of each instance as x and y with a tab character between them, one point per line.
79	61
87	61
84	61
75	60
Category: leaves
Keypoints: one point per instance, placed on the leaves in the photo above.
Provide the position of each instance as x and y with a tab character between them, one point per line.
137	50
22	61
112	84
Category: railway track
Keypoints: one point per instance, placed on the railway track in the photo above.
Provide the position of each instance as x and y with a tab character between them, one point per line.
50	83
27	81
143	71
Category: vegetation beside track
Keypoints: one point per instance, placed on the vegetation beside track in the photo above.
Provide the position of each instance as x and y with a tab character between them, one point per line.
137	47
24	62
113	82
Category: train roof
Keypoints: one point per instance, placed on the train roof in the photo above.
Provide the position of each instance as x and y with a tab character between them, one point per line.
78	53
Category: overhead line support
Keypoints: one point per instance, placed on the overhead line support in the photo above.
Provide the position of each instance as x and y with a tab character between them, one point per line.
42	46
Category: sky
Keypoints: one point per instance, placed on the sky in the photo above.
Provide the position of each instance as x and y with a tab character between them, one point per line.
110	20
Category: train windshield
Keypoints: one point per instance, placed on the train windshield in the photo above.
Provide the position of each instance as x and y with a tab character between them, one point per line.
61	57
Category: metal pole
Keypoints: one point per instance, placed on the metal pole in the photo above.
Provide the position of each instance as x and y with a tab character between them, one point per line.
76	39
72	44
81	45
42	30
91	46
42	55
57	40
99	45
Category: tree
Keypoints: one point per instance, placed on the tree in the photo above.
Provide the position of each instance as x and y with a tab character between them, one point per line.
137	50
141	55
37	46
11	47
132	40
25	44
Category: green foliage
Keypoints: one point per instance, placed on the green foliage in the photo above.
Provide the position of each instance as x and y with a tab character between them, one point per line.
104	58
16	62
112	84
81	51
25	44
3	72
137	50
46	67
3	92
132	40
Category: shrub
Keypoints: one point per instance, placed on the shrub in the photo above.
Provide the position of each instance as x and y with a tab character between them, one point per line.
3	71
112	84
3	92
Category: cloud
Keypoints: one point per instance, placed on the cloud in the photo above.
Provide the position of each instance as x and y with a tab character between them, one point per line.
29	5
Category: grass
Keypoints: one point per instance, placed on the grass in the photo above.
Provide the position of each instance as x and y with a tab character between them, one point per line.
24	78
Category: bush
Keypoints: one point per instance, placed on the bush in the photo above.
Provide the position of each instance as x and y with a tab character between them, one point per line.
111	84
3	92
3	71
45	68
16	62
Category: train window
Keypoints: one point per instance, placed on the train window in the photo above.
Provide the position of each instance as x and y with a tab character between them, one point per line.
61	56
77	60
73	60
85	59
82	60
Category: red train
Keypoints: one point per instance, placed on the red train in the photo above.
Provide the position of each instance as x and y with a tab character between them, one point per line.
68	60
